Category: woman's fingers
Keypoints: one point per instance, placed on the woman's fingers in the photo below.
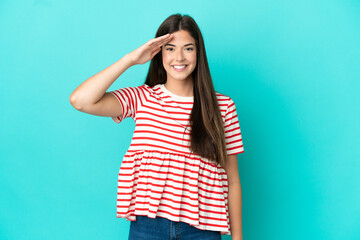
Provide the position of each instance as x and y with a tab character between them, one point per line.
163	38
155	52
162	42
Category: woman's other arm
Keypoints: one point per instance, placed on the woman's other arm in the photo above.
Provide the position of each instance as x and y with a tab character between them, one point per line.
234	197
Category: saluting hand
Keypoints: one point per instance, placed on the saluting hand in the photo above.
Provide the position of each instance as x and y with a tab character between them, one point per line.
147	51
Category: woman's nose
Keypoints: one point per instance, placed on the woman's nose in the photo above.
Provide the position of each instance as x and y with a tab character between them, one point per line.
180	55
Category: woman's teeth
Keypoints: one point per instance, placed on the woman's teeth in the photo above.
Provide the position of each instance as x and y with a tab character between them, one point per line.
179	68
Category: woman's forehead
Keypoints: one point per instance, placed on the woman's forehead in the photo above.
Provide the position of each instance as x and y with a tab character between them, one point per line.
181	37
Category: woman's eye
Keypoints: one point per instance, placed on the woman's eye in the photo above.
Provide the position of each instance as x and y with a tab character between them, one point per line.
189	49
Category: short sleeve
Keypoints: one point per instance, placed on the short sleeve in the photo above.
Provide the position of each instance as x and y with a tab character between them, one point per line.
128	98
233	138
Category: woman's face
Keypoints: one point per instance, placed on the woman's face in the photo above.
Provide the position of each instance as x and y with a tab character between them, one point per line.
179	52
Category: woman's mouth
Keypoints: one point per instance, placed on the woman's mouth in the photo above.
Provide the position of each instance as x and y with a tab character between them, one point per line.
179	68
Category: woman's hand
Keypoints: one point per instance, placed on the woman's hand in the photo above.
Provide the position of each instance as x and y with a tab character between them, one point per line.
147	51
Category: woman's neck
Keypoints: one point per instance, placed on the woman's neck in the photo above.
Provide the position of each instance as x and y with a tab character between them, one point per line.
181	88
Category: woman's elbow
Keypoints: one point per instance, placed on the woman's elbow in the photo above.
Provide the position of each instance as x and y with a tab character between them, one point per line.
74	102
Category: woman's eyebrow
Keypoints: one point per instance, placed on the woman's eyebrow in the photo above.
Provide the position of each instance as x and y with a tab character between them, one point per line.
175	46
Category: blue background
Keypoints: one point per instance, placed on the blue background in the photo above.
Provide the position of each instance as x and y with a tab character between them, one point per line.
291	67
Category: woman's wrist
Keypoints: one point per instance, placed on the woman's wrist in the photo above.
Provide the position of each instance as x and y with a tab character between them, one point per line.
236	237
129	60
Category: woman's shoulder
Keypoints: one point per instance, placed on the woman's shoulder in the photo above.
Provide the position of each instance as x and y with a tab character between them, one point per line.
149	88
154	91
144	89
221	95
223	99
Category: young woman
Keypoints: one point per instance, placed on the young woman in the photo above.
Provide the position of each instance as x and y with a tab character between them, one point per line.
179	177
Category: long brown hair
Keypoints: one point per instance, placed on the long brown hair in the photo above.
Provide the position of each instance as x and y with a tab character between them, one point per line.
207	129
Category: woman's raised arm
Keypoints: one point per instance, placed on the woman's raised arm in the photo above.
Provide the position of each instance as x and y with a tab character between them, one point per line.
91	96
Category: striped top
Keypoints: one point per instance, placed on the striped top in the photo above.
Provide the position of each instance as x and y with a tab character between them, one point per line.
159	175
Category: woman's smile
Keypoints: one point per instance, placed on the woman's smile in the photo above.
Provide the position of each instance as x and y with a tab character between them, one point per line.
179	68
